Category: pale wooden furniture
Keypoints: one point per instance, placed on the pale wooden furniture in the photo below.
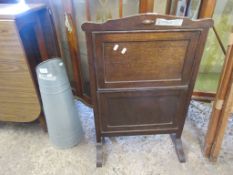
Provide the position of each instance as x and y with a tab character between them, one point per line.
26	38
18	98
142	72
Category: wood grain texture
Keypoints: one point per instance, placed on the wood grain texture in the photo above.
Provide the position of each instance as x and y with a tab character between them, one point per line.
136	23
222	124
121	111
203	96
147	56
143	75
168	7
146	6
174	7
88	10
18	97
222	94
207	8
120	8
72	39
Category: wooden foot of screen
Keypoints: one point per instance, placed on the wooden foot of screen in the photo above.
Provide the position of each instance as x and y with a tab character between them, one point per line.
99	154
179	148
42	123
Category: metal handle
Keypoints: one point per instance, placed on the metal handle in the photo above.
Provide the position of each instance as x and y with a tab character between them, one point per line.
148	21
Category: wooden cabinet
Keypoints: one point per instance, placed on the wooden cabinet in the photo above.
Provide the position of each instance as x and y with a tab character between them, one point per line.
142	70
22	45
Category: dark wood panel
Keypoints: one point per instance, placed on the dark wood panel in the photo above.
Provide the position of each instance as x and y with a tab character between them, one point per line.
153	57
134	91
146	22
140	110
128	60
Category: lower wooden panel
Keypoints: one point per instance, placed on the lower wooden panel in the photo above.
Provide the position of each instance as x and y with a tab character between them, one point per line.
154	110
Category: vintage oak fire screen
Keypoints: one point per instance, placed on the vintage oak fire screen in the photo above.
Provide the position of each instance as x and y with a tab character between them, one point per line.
142	73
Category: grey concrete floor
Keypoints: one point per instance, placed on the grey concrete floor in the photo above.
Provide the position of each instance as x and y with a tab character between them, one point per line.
26	150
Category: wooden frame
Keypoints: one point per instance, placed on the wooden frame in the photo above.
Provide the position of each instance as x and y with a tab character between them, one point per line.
168	7
120	8
146	6
222	108
207	8
102	90
88	11
203	96
174	9
73	44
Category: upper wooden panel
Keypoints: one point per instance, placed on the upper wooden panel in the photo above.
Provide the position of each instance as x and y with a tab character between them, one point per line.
148	22
18	97
13	11
144	59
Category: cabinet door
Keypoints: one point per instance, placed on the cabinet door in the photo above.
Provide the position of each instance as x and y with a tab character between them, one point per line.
144	59
18	97
147	110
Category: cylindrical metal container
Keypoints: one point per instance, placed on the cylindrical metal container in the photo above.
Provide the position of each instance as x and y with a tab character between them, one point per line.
63	122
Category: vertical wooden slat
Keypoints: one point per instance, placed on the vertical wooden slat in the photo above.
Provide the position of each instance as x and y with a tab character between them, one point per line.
168	7
222	124
174	8
220	98
88	11
120	8
207	8
73	43
146	6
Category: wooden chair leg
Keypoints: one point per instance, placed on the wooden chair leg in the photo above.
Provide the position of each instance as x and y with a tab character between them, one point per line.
178	147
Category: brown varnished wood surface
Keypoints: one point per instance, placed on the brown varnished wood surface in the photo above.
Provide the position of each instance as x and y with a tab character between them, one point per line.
148	55
18	97
136	23
72	38
207	8
147	88
146	6
220	113
122	110
160	54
